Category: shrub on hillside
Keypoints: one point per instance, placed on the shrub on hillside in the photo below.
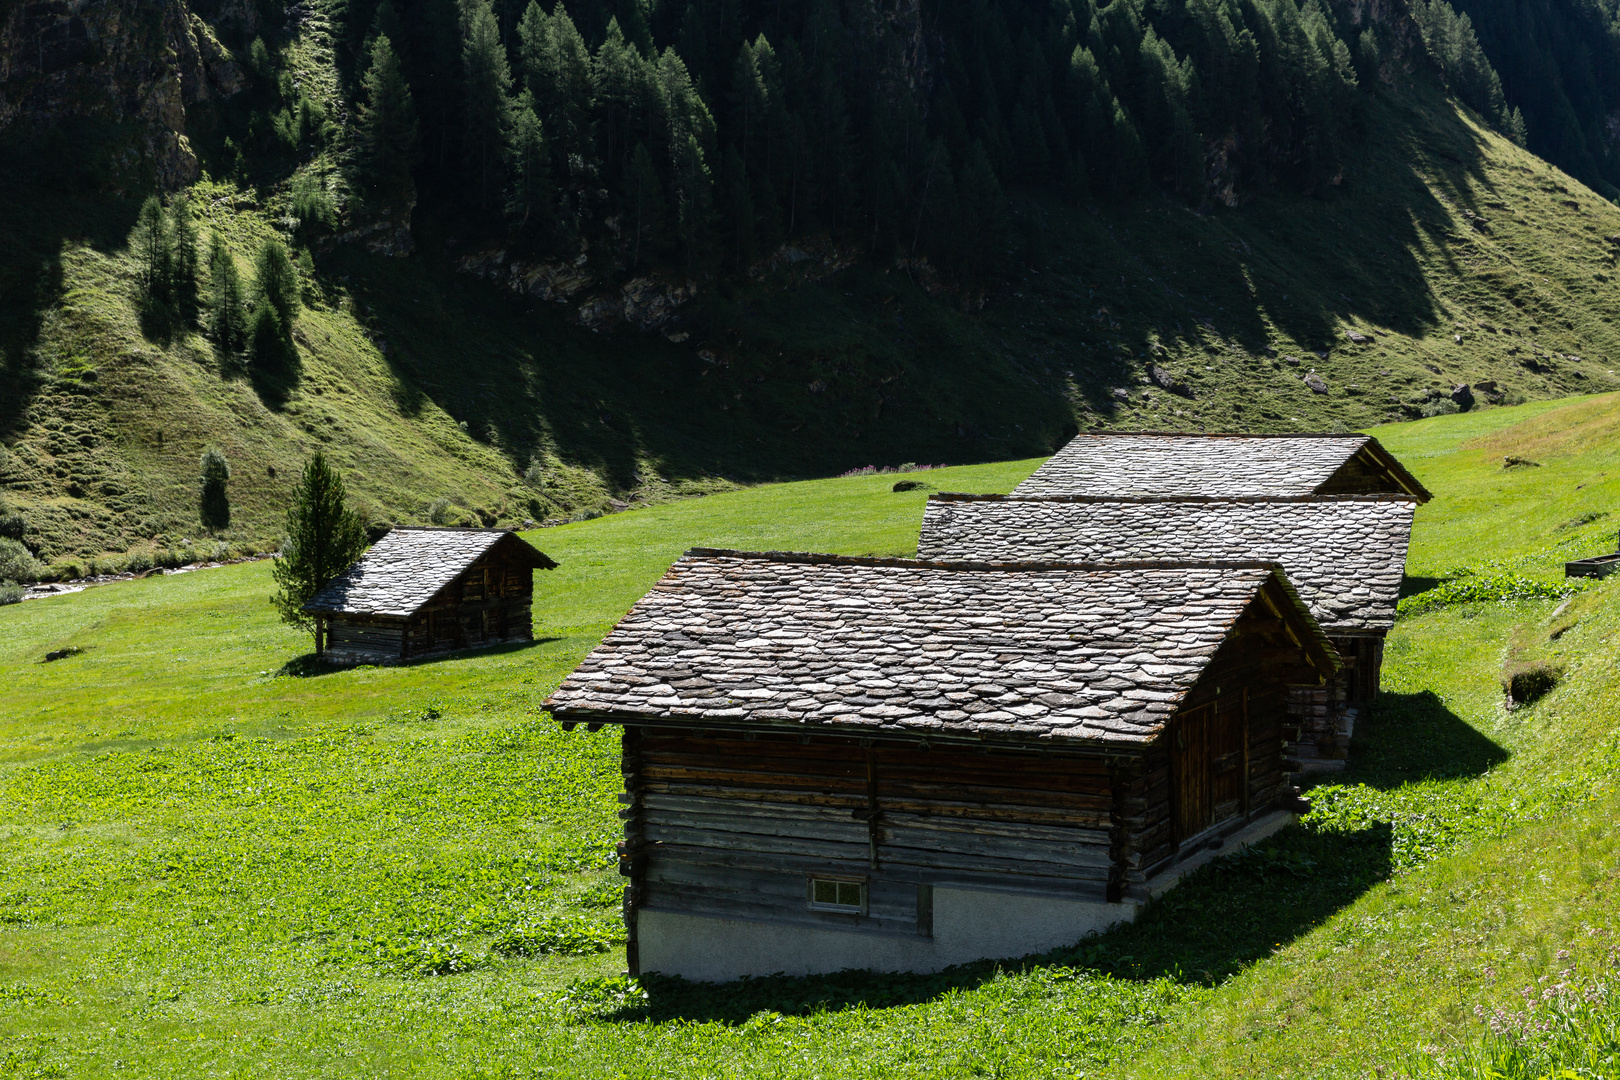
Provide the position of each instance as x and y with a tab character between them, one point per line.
10	593
12	524
1438	407
17	563
1487	588
1528	681
439	511
213	496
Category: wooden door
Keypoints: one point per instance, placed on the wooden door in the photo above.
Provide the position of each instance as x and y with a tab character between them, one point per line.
1210	764
1189	754
1229	758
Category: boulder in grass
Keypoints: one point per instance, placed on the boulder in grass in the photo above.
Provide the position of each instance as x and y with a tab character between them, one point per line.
1463	395
1316	383
1356	338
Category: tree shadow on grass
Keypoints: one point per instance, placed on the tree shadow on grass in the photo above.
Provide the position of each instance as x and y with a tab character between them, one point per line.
1217	921
1402	738
1411	586
311	665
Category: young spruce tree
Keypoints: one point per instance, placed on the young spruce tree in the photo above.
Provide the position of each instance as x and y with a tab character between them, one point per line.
227	306
213	494
324	537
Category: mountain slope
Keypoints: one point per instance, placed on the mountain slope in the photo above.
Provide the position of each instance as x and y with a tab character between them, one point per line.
1460	258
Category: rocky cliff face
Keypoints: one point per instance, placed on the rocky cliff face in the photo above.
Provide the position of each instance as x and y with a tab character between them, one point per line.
124	60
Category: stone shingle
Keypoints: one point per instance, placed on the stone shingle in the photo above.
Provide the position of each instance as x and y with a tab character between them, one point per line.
407	568
1111	464
1345	555
1033	650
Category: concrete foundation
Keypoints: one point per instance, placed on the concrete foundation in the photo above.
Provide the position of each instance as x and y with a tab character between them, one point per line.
969	924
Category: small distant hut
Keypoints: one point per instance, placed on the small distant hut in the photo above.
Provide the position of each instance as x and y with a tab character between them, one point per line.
898	765
1345	554
419	592
1115	463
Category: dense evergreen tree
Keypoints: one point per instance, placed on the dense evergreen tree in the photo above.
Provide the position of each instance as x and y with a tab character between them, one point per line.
324	537
710	131
386	134
213	491
154	257
227	303
487	117
183	260
275	282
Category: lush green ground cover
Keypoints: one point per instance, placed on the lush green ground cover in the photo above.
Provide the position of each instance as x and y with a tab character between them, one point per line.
207	866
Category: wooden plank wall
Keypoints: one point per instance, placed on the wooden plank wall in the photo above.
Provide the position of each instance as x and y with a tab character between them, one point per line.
1247	672
359	634
489	602
727	825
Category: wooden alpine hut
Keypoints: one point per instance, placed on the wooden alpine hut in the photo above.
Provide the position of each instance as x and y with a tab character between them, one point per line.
1345	554
902	765
419	592
1115	463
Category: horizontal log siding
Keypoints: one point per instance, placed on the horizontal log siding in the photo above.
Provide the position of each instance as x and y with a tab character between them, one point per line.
727	825
1247	662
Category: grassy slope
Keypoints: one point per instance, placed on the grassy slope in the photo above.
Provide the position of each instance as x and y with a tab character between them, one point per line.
424	383
204	866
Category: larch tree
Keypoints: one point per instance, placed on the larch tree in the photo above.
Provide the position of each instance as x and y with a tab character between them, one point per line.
488	81
388	141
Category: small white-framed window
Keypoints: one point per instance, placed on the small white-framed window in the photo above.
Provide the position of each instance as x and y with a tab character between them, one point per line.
845	895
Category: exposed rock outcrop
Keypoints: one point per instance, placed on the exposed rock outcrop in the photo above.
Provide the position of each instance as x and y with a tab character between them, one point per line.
121	60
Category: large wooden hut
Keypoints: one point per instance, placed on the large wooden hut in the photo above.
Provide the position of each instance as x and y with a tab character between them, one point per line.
1115	463
1345	554
423	591
901	765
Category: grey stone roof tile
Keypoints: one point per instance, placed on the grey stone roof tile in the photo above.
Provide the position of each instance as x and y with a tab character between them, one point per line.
1345	555
1001	661
1191	463
408	567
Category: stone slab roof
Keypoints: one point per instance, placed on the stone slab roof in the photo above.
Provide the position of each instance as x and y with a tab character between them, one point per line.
1077	653
408	567
1346	555
1182	463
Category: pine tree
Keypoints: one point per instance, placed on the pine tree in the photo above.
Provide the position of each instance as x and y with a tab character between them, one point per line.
324	538
268	342
154	257
276	282
645	195
183	260
227	305
387	131
529	195
487	119
213	494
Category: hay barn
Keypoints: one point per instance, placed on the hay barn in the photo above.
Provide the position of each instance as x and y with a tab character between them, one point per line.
1345	554
902	765
419	592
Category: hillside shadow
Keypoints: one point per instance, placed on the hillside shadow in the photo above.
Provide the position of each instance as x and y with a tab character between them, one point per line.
57	188
1402	738
1220	919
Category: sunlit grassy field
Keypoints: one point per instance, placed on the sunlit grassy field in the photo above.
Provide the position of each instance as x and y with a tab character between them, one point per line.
209	866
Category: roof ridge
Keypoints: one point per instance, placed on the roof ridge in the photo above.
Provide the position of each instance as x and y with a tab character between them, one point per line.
1013	496
1235	434
822	559
446	529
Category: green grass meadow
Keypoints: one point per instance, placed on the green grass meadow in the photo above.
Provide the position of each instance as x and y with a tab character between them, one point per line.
213	865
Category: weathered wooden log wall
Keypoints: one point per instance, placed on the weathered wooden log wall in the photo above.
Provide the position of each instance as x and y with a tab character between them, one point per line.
490	602
723	824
